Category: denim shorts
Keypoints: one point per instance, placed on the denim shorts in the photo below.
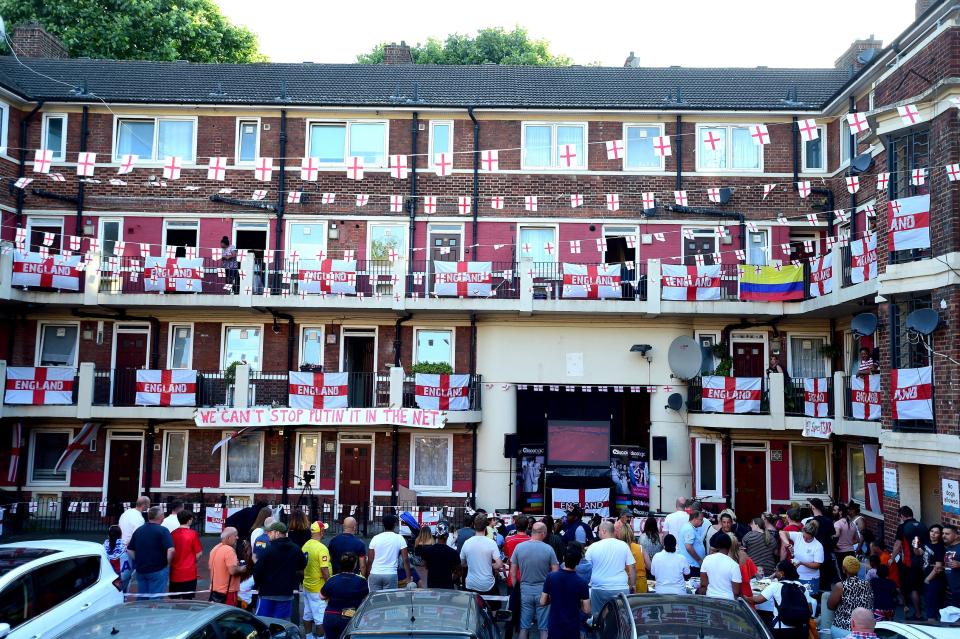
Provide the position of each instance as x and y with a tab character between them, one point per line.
531	609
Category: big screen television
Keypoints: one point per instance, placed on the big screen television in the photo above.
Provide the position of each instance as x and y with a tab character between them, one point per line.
578	443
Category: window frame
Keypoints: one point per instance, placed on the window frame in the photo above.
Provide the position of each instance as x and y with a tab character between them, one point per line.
167	222
236	146
31	463
303	332
63	142
224	451
768	256
296	483
44	221
715	334
156	119
554	148
404	234
850	451
170	341
433	151
626	147
729	168
718	458
827	362
348	123
163	458
822	136
556	238
100	234
423	489
453	343
223	343
826	454
4	126
288	234
38	349
844	141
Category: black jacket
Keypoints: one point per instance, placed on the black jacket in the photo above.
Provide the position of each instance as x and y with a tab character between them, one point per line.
279	569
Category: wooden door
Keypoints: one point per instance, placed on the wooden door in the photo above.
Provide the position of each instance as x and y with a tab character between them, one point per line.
123	479
131	355
705	245
444	247
750	485
355	474
748	359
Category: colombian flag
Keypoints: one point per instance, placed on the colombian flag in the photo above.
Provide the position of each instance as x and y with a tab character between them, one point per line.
771	283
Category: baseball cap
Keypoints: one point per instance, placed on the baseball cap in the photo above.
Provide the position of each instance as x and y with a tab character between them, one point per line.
317	526
277	526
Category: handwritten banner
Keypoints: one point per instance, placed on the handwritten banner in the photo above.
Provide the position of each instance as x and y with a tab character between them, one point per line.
239	417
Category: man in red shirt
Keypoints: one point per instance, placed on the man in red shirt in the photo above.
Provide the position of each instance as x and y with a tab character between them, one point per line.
186	554
520	536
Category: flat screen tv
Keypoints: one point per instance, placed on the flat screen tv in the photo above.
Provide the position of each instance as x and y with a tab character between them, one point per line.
578	443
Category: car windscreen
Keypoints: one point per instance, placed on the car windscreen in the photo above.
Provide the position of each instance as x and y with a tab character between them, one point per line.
13	558
698	619
416	618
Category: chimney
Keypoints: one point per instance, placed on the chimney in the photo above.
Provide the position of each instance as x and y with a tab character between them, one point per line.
31	40
632	61
394	53
923	5
849	60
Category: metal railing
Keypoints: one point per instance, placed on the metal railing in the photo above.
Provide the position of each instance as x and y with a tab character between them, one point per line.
504	284
794	398
118	387
548	281
848	400
373	277
55	516
473	389
695	397
364	390
128	275
729	280
846	263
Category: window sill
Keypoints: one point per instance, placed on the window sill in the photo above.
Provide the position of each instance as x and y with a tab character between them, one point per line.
432	491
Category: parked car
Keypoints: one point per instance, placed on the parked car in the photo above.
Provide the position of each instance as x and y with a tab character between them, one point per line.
50	584
680	617
916	630
180	619
450	614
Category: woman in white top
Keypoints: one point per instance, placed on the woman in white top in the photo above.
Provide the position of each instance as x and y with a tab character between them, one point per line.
670	569
770	599
807	553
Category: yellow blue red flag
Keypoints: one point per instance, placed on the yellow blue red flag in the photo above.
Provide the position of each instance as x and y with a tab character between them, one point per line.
771	283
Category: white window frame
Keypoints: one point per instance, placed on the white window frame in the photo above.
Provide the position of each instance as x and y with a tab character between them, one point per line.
421	489
171	329
163	458
346	139
303	332
223	462
822	132
33	448
556	238
236	146
4	126
433	149
716	340
445	228
39	346
100	234
453	342
60	156
554	159
826	340
607	232
223	343
862	502
826	447
44	221
728	149
288	236
179	225
718	492
153	161
404	230
626	148
299	450
251	225
841	162
764	230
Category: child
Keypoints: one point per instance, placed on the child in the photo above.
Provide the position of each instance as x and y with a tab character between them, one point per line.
885	598
877	547
874	564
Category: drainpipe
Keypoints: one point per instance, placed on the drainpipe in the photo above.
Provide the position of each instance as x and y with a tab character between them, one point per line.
395	454
148	453
473	472
412	204
476	177
679	157
473	344
853	196
285	475
795	137
22	169
281	201
81	186
397	342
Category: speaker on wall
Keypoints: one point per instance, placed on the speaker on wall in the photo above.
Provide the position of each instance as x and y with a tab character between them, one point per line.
510	445
659	449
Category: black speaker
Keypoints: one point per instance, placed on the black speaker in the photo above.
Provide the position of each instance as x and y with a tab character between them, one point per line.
659	449
510	444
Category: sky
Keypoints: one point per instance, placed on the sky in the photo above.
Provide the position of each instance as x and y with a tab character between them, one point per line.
744	33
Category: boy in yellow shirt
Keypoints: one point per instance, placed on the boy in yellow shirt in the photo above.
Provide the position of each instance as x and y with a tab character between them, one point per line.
316	573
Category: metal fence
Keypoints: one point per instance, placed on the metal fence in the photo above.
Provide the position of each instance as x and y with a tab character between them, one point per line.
410	392
128	274
504	280
795	398
548	279
372	277
695	397
364	390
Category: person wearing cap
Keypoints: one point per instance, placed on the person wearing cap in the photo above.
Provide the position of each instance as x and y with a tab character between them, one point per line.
316	573
848	595
442	561
277	574
262	540
720	575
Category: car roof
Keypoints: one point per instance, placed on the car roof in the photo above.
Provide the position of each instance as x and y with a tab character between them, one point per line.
921	629
684	610
424	611
58	545
17	558
158	619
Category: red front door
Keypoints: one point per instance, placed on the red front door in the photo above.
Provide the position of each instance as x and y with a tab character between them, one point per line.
750	486
131	356
355	474
748	359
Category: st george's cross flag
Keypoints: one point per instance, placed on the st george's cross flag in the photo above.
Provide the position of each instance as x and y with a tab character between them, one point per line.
591	501
318	390
911	393
908	223
865	397
166	387
76	446
821	275
591	281
39	386
816	399
462	279
691	283
327	276
731	394
863	259
173	274
442	392
55	271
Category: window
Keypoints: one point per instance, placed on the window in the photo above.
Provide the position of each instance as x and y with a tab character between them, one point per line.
156	138
709	360
58	345
908	152
844	141
857	480
640	153
431	462
908	351
617	249
248	141
54	135
441	139
109	236
181	233
814	158
533	243
47	447
242	344
806	356
808	469
237	624
757	247
175	457
181	346
727	148
311	345
59	581
709	478
383	239
16	602
37	227
334	142
543	145
308	455
434	346
4	125
306	238
241	460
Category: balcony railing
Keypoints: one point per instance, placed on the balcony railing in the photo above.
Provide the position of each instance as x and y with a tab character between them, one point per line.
118	387
504	281
128	275
364	389
373	277
695	397
794	397
548	281
848	400
410	391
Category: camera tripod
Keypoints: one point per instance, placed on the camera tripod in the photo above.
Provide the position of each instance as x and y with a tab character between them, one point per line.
307	496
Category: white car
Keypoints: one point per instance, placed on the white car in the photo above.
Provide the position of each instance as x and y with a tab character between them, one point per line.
52	584
916	630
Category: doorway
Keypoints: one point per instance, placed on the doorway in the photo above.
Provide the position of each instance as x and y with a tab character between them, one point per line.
445	244
131	353
252	237
748	358
358	359
38	227
123	467
749	490
181	235
931	497
354	488
703	243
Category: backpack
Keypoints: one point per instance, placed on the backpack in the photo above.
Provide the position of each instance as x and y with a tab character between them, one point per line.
792	610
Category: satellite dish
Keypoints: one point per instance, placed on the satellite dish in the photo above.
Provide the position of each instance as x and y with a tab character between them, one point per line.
862	163
685	357
675	401
725	194
865	56
923	321
864	324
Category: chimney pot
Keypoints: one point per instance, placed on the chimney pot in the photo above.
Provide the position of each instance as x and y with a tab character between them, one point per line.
394	53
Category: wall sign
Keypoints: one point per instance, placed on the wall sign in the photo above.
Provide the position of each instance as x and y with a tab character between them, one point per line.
950	491
890	488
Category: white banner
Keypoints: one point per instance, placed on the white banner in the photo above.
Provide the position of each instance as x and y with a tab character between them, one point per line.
241	417
590	500
173	274
462	279
865	397
731	394
591	281
56	271
819	428
816	398
40	386
327	277
166	387
690	283
215	517
863	259
911	393
317	390
442	392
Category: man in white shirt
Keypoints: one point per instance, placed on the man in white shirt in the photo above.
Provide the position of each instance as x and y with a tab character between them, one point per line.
384	551
132	518
172	521
481	556
719	574
613	568
673	522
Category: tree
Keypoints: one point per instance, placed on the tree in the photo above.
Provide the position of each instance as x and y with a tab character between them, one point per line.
193	30
490	45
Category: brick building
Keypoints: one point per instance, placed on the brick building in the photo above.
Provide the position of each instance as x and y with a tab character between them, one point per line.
554	182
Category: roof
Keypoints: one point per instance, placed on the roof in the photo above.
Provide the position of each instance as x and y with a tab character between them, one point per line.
157	619
424	86
405	611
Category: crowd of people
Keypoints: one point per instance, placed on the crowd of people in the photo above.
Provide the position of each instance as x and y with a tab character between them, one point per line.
807	567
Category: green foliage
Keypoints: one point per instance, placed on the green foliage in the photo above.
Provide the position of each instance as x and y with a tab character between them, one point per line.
192	30
230	372
724	367
492	44
436	368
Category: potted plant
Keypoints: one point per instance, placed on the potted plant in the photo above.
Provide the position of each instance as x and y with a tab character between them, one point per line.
831	351
229	380
435	368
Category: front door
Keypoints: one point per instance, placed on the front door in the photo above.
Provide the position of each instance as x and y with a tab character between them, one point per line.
359	361
354	487
748	359
444	247
699	244
123	477
750	487
130	356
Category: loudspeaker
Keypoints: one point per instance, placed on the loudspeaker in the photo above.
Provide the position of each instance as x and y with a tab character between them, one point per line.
659	452
510	443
